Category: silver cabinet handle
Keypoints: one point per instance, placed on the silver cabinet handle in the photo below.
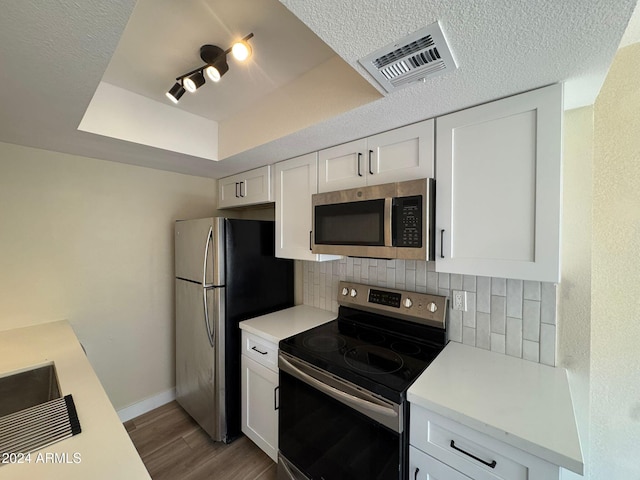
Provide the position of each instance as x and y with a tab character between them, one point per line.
242	195
237	194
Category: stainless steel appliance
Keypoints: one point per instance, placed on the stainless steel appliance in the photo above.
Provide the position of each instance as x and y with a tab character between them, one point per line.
343	412
394	220
226	272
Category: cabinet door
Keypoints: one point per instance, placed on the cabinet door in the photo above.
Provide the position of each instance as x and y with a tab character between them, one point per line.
498	179
425	467
257	186
247	188
229	191
296	181
342	166
402	154
259	403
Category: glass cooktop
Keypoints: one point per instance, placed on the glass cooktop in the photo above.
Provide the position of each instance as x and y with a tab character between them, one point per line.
379	353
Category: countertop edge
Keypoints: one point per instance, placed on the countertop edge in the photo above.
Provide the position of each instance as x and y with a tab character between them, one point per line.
532	448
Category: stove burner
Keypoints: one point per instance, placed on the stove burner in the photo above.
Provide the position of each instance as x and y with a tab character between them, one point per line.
373	360
407	348
371	337
324	343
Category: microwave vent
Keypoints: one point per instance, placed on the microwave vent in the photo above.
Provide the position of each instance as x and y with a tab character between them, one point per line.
420	55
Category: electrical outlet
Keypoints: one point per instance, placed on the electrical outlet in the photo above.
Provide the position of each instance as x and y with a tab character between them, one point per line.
460	300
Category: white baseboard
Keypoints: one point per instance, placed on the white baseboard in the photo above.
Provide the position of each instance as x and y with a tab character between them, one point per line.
146	405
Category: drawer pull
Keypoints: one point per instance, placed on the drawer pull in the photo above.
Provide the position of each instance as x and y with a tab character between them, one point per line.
490	465
415	476
259	351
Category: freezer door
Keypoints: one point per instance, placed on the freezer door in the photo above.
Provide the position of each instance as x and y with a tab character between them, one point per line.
195	241
199	385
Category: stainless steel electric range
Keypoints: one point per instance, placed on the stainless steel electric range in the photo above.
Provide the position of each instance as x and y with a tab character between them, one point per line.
343	413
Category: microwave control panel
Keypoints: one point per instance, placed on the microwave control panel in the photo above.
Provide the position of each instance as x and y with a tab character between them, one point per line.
408	221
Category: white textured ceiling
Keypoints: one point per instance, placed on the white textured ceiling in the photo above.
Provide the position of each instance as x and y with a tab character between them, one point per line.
53	56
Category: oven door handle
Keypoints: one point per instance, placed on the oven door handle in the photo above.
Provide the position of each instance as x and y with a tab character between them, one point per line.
334	392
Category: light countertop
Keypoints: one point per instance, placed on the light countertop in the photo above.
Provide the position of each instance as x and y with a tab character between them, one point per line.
279	325
103	449
521	403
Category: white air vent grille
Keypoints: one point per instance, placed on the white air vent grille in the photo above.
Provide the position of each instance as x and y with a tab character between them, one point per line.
421	54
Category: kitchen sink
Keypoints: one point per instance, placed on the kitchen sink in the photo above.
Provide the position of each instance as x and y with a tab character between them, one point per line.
28	388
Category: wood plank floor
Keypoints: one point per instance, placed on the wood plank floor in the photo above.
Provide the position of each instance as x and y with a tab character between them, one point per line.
173	447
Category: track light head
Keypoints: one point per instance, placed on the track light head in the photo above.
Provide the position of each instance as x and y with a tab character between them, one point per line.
241	50
215	67
175	93
193	82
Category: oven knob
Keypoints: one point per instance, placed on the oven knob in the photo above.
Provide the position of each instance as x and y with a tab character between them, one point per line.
407	302
345	291
354	292
432	307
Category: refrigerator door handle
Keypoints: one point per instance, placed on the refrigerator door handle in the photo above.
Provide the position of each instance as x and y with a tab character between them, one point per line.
207	323
206	256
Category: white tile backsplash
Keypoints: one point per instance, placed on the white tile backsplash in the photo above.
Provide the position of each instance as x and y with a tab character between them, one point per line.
512	317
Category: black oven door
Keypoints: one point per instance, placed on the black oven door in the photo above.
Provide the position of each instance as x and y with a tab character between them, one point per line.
331	430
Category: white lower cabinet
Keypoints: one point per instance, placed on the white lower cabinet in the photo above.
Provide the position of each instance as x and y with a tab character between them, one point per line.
444	449
260	392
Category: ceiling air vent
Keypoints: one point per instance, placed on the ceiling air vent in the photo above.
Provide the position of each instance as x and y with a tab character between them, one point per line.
422	54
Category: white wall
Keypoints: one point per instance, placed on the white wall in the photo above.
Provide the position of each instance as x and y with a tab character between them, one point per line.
92	242
574	290
615	305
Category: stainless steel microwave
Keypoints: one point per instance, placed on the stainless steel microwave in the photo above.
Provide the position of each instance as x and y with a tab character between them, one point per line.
393	220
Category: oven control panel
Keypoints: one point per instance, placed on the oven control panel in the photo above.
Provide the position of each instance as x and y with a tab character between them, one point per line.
413	306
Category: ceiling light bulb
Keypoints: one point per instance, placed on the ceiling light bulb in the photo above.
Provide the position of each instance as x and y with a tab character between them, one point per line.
193	82
175	93
241	51
213	73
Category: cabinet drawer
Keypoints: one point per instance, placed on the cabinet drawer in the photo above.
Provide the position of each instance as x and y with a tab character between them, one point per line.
262	351
425	467
473	453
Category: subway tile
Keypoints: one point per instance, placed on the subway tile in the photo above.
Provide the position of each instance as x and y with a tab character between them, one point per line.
323	266
421	274
454	327
469	336
455	281
373	262
432	282
420	288
373	273
443	281
357	273
498	314
410	280
410	264
514	298
431	266
349	267
483	330
531	290
382	274
498	343
391	277
469	317
548	344
483	294
401	265
400	279
531	320
357	260
469	283
499	286
443	292
514	337
531	351
548	303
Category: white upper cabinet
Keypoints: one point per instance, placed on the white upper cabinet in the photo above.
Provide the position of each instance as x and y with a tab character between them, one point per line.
402	154
296	180
498	188
247	188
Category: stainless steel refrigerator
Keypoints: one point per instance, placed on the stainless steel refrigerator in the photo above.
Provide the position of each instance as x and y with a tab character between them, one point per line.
226	272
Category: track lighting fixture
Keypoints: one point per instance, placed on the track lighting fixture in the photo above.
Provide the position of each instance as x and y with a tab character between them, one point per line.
215	67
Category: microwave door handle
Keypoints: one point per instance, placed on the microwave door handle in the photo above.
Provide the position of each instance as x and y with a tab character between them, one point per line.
388	221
